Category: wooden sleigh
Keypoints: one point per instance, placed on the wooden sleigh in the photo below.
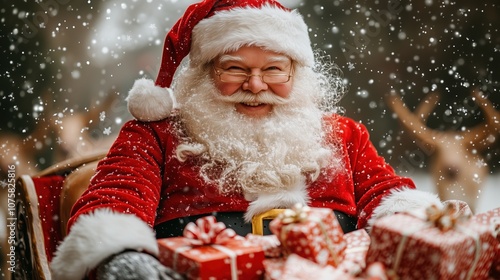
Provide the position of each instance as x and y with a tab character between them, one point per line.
42	206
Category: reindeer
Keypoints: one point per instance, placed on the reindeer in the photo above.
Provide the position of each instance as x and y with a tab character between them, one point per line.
68	132
70	136
456	165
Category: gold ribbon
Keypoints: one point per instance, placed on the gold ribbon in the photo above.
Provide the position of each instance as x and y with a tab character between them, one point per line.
495	224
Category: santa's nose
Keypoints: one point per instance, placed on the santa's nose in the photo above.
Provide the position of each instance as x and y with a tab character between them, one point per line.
255	84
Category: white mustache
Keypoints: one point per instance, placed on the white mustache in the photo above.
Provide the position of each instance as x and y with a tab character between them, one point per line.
245	97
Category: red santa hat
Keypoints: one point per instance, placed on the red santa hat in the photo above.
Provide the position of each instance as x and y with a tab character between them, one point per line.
212	27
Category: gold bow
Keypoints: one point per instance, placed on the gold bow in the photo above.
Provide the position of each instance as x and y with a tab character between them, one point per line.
298	213
444	218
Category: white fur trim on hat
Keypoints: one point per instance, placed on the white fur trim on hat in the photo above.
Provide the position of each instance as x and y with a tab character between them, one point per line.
149	102
404	200
99	235
285	199
268	27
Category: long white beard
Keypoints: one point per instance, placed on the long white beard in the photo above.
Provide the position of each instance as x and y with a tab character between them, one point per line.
253	155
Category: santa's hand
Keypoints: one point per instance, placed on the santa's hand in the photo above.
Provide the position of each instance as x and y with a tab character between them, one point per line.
134	265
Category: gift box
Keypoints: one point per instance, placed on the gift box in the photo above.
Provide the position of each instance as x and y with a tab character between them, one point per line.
270	244
491	219
312	233
351	267
295	267
273	268
357	244
299	268
376	271
432	243
210	251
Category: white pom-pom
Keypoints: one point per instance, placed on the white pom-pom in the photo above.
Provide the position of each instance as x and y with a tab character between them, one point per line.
149	102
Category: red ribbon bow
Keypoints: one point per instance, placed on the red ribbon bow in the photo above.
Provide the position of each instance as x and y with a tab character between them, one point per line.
208	231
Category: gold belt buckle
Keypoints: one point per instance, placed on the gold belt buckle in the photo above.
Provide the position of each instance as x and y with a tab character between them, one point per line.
258	220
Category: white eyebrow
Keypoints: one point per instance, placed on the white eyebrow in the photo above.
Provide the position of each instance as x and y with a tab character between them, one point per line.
279	58
227	57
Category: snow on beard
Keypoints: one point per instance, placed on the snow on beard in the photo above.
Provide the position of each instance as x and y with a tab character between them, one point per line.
253	155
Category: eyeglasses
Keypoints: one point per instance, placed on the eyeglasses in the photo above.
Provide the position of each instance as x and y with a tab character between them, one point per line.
239	78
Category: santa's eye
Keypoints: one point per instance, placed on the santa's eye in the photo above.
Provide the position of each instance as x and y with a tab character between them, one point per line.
235	69
272	68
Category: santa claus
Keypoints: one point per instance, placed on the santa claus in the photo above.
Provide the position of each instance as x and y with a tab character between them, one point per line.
252	128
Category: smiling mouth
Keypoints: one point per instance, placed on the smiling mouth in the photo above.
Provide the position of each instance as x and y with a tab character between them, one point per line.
252	104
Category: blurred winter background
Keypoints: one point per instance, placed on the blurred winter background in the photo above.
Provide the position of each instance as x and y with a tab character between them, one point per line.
67	67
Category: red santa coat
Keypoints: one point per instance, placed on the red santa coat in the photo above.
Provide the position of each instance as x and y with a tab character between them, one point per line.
141	176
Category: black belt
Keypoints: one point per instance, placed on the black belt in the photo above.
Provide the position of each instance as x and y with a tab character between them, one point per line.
235	220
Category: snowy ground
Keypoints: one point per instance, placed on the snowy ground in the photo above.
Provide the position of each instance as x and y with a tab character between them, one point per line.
489	197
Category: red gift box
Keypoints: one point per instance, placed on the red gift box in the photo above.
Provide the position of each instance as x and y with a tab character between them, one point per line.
299	268
354	261
491	219
269	243
312	233
295	267
210	253
273	268
431	246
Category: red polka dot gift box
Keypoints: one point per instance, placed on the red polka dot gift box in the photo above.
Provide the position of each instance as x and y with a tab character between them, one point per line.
432	243
352	265
491	219
312	233
354	261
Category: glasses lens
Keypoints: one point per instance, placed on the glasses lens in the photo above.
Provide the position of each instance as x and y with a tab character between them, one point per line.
228	77
233	77
275	78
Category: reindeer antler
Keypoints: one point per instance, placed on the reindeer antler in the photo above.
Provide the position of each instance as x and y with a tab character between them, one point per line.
414	123
482	136
426	106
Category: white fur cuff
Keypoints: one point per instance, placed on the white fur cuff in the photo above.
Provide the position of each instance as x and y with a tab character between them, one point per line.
149	102
96	236
404	200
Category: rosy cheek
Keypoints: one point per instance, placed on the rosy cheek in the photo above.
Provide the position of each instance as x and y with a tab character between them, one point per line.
227	89
282	90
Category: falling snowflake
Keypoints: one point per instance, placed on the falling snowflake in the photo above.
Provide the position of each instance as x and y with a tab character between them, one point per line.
350	66
480	163
30	90
107	131
102	116
476	179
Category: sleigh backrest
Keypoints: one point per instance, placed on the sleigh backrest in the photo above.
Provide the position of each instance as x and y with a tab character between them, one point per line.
42	208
